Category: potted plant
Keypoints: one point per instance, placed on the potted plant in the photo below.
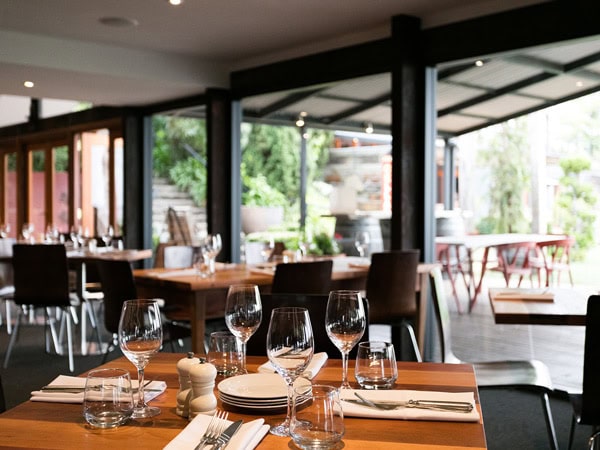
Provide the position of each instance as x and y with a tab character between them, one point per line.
262	205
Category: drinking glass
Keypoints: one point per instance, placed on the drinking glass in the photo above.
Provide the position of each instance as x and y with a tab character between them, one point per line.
4	230
345	323
224	353
210	247
107	398
290	347
140	337
75	233
27	231
362	241
243	314
267	249
108	235
376	365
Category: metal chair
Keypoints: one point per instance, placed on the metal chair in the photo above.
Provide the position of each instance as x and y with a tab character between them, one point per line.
303	278
391	290
526	374
317	308
555	257
586	405
41	278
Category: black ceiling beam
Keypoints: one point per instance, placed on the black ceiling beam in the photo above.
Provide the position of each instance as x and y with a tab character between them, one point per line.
525	111
175	104
495	93
287	101
534	25
363	106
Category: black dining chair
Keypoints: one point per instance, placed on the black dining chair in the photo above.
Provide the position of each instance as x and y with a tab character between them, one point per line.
586	405
41	280
303	278
317	308
391	290
532	375
2	400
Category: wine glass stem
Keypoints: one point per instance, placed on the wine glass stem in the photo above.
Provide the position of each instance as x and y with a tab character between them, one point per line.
345	384
141	403
243	347
290	395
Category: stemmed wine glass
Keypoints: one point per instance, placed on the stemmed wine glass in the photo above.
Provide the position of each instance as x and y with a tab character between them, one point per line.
243	314
290	347
27	231
345	323
4	230
140	337
108	235
74	233
362	240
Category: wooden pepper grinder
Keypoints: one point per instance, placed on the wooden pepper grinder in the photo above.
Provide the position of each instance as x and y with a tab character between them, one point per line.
203	400
185	386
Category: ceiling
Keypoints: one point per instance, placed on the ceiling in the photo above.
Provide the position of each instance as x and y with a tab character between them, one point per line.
171	52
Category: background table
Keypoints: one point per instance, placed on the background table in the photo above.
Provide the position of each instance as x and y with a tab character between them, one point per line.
56	425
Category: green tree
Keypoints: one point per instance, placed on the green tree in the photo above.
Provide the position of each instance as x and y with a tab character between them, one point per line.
575	203
507	160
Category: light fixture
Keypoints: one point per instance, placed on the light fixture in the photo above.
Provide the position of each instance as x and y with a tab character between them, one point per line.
369	128
300	121
175	2
28	84
479	63
579	84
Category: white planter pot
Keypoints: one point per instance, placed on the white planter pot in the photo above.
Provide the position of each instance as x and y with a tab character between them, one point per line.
260	218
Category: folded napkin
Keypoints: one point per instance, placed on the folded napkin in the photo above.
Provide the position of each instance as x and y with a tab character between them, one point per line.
177	273
151	390
541	296
246	438
356	410
265	271
311	371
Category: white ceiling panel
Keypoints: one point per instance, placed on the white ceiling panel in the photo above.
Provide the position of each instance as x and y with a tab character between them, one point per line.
557	87
504	105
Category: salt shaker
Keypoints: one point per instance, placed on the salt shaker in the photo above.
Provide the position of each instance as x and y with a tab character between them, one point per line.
185	387
203	400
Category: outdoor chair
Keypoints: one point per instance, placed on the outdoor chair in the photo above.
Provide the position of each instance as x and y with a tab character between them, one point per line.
41	279
529	375
317	308
303	278
455	264
554	257
513	259
392	294
586	405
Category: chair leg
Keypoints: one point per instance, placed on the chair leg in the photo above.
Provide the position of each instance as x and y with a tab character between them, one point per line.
94	323
13	338
549	422
413	340
69	339
8	317
572	431
592	440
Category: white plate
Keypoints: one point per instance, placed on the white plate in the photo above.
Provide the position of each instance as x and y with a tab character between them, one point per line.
253	401
258	386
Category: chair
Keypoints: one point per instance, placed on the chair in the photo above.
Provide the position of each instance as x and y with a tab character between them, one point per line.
2	400
526	374
303	278
317	307
586	405
7	288
454	263
391	290
555	257
513	259
41	277
178	256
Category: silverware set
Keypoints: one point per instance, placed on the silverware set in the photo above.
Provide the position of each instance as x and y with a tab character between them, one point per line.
218	434
436	405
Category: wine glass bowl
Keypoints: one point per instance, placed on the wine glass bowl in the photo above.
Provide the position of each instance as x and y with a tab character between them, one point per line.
108	236
345	322
362	242
290	348
140	337
243	314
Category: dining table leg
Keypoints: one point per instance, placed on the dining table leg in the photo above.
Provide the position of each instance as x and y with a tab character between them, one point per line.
198	318
479	284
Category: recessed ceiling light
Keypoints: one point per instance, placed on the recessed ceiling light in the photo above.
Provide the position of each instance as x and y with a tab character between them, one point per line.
118	22
579	84
175	2
28	84
479	63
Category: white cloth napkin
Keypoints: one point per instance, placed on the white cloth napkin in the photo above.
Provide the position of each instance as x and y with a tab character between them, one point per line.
311	371
177	273
355	410
246	438
151	391
540	296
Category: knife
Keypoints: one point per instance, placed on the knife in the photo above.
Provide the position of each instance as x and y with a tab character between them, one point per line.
463	407
226	435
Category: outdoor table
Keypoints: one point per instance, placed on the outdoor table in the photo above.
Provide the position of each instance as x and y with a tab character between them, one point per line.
60	425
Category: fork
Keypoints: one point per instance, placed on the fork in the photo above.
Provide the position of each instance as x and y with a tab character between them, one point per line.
213	431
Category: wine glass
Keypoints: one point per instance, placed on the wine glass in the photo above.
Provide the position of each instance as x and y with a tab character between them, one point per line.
74	233
267	249
345	323
243	314
140	337
4	230
290	347
27	231
108	235
362	241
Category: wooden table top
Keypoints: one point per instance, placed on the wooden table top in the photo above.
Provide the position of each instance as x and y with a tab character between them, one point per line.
568	307
55	425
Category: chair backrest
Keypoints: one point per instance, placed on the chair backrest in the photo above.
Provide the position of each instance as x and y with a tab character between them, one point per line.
317	308
590	401
118	285
442	315
278	249
514	258
391	285
6	268
557	252
41	275
178	256
303	278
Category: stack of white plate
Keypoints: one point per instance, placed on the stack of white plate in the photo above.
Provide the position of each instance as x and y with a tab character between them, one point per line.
258	391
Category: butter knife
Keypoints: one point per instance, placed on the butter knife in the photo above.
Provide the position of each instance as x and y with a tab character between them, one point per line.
437	405
226	435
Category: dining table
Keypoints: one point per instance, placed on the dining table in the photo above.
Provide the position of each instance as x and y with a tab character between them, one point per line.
37	425
200	298
547	306
471	243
